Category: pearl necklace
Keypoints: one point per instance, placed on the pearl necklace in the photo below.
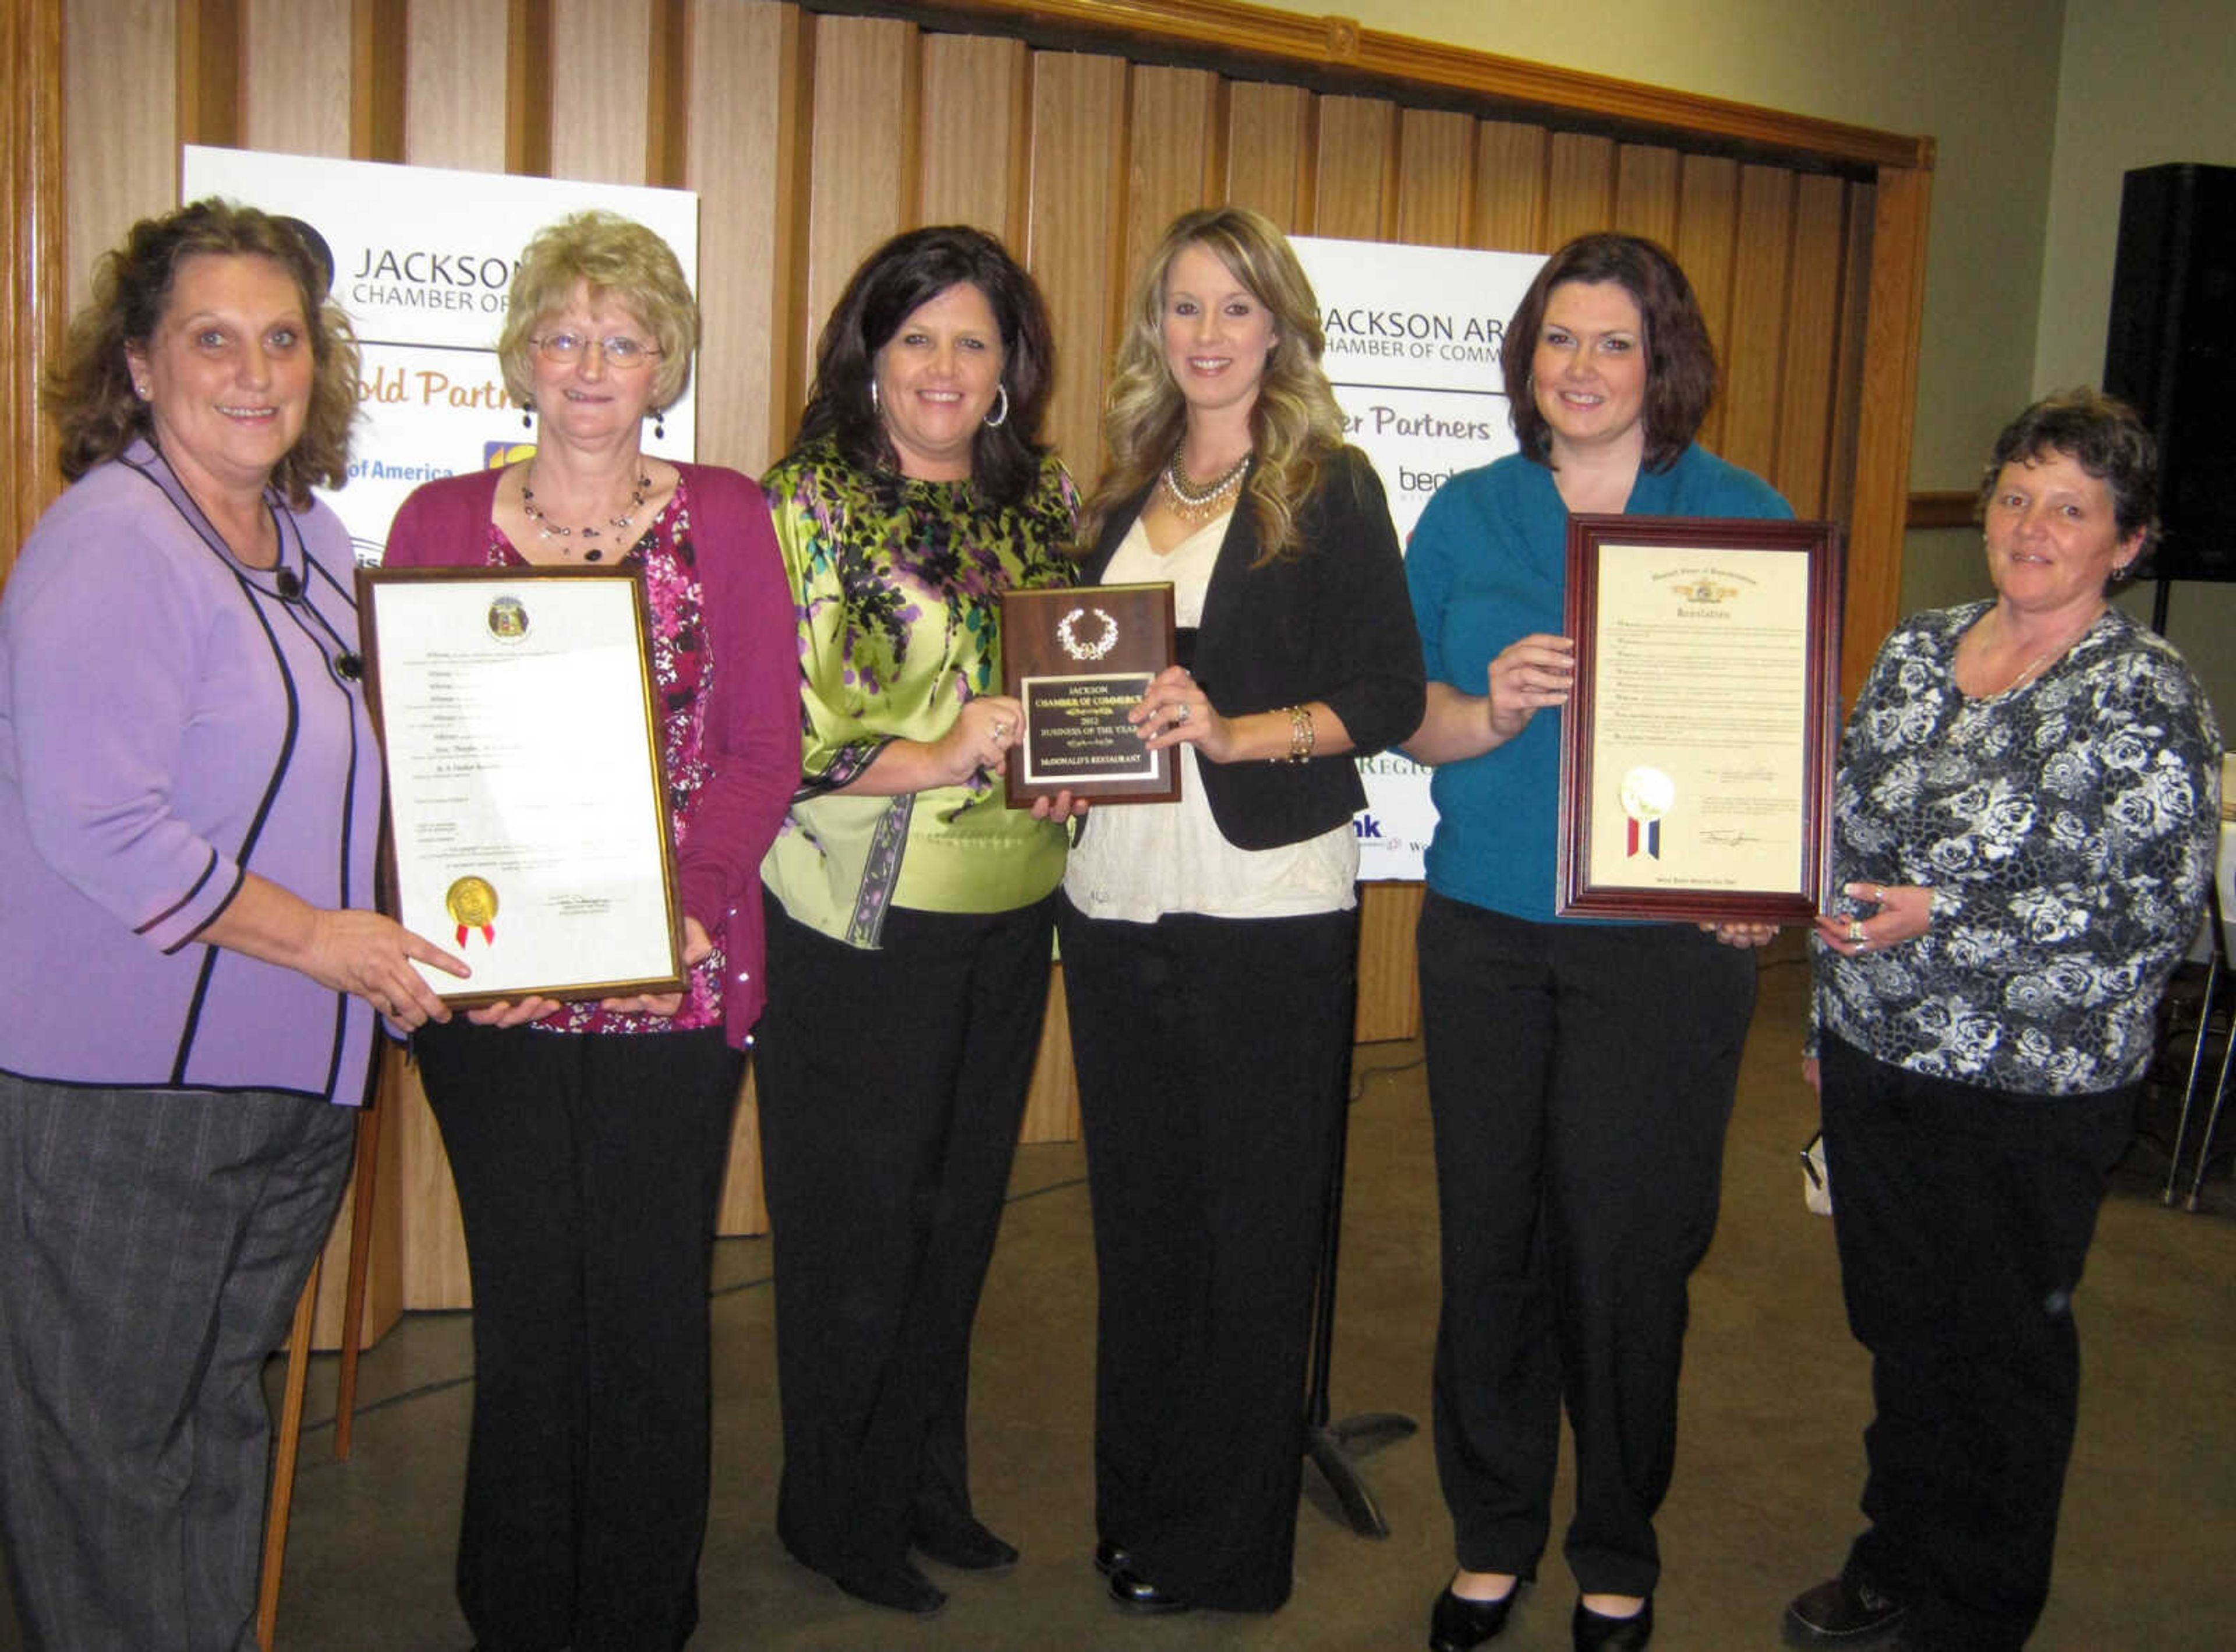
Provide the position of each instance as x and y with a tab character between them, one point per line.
1194	503
546	529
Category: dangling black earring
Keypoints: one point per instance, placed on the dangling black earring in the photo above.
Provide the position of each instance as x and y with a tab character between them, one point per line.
659	424
528	415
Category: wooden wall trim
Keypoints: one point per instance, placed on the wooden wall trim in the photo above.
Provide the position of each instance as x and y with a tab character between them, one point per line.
528	89
1341	44
1889	391
1944	507
668	119
33	284
379	74
211	50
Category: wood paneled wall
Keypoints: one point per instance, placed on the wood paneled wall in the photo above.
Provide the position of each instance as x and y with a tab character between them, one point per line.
810	136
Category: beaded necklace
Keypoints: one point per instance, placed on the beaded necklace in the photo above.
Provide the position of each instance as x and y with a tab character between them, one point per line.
546	529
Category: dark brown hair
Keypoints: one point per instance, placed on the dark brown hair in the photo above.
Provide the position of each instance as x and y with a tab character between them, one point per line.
88	390
909	271
1680	364
2104	437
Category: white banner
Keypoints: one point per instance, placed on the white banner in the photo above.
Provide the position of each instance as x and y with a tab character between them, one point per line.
422	259
1413	339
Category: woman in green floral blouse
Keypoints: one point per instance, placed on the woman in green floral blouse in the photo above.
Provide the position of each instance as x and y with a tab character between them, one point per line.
909	909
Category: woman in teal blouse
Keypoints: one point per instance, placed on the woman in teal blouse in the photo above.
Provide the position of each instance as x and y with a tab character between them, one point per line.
1580	1074
909	909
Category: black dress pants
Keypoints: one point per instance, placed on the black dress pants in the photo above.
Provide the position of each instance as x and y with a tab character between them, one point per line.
589	1169
1964	1216
892	1083
1210	1056
1581	1078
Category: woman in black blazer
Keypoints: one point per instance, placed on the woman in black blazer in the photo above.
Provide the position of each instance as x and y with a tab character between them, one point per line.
1210	943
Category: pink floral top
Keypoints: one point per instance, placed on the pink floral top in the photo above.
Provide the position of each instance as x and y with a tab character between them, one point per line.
683	676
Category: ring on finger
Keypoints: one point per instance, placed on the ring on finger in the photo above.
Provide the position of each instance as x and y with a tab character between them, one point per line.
1856	931
1878	893
1180	715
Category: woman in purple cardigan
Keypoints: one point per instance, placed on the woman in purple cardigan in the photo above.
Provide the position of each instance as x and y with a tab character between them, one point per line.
189	798
588	1140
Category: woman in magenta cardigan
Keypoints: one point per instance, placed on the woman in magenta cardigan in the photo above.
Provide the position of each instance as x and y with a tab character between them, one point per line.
588	1140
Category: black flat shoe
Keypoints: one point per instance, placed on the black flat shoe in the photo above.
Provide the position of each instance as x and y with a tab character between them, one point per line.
1112	1557
899	1587
1456	1623
1593	1633
967	1546
1843	1611
1137	1594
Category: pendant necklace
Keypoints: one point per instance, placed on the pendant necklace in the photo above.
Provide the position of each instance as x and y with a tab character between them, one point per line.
2035	666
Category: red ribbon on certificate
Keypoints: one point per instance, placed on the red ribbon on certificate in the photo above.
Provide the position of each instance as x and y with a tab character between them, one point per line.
471	903
1652	837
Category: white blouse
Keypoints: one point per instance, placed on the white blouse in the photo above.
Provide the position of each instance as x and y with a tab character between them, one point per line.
1138	861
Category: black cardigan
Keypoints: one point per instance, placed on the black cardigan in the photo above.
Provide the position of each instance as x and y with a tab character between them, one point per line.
1329	620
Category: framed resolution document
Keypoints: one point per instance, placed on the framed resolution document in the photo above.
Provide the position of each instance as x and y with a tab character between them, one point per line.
527	806
1078	659
1698	744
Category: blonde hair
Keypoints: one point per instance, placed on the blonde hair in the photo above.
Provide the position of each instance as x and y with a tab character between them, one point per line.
1295	424
616	258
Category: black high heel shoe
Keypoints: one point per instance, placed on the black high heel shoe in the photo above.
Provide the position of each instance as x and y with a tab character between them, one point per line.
1594	1632
1458	1624
1137	1594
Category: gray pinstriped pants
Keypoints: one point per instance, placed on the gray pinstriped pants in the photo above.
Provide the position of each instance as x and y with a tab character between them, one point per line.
152	1247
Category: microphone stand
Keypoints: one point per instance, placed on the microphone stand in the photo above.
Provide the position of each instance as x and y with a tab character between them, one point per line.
1331	1445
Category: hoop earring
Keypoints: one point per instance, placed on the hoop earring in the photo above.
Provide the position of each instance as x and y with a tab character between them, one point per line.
994	421
874	407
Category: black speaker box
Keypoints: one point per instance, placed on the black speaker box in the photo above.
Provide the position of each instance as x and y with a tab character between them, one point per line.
2171	350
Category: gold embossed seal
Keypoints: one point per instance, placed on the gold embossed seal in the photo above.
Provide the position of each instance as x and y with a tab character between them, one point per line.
471	903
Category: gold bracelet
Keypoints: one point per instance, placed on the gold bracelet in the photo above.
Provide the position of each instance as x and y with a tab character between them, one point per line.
1301	735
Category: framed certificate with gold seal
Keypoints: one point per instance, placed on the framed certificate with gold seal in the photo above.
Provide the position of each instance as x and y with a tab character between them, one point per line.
528	828
1698	744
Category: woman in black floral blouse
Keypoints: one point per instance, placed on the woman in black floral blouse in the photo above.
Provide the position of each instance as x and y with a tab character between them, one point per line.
2023	832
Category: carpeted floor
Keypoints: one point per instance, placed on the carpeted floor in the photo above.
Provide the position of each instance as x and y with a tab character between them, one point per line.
1769	1465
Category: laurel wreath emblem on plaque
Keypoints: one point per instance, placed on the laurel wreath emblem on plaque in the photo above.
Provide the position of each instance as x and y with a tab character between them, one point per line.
1068	634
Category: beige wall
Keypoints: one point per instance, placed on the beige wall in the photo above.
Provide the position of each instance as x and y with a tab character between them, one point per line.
2036	106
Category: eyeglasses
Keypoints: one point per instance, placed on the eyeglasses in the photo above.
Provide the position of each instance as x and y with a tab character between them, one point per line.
622	353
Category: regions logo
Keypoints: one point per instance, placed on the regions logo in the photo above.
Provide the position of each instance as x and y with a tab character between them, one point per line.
496	455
